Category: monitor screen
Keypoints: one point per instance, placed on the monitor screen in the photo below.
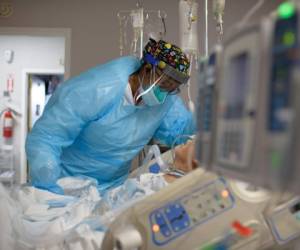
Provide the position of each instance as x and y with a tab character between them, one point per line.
236	86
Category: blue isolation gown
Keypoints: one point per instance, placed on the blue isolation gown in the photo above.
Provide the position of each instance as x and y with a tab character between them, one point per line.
88	128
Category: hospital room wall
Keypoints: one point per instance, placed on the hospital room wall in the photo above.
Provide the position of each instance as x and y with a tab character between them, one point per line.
26	51
94	23
26	59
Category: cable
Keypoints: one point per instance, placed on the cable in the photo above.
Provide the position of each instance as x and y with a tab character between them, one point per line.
190	102
251	12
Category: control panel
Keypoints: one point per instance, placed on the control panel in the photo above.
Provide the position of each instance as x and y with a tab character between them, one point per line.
177	217
199	211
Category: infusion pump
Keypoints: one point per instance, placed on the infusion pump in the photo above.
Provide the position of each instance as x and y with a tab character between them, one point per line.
256	134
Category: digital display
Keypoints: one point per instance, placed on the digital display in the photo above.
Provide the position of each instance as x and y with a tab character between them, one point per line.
236	86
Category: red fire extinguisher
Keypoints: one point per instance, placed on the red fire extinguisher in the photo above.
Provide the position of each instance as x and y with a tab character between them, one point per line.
8	128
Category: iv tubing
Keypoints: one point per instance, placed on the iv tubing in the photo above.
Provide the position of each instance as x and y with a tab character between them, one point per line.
252	11
206	29
190	102
142	36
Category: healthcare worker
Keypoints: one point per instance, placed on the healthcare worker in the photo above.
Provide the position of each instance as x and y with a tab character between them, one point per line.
97	122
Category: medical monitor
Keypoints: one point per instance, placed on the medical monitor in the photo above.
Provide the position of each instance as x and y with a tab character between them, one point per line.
257	109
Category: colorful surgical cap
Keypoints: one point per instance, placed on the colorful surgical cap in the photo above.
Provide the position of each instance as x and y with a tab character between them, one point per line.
169	58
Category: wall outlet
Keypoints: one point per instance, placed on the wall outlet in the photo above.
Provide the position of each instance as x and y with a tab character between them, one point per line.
8	55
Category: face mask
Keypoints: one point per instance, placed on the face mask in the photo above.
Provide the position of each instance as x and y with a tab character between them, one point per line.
153	95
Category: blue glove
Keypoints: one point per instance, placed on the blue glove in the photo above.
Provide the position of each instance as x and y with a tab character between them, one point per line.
53	188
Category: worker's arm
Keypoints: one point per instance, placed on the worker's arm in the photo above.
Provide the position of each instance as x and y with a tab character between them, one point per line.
176	125
62	120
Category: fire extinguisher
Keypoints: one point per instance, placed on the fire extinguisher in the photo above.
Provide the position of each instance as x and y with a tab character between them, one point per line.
8	124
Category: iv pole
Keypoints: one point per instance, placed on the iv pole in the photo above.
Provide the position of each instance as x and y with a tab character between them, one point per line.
138	18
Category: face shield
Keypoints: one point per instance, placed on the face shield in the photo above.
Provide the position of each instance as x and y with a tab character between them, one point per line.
157	88
167	83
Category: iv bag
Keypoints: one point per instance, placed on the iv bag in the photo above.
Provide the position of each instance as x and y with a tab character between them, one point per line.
188	26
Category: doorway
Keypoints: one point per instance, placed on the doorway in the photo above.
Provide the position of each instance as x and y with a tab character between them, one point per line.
40	89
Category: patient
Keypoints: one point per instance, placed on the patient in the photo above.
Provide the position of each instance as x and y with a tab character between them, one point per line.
184	159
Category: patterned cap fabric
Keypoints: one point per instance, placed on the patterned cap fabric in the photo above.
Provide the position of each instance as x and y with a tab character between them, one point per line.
169	58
